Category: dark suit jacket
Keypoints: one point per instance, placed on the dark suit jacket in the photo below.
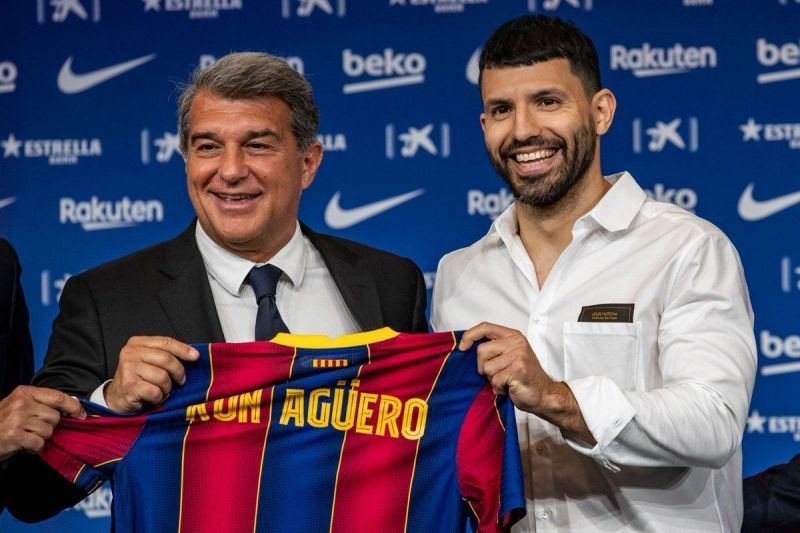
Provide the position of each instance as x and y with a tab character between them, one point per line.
16	350
772	499
164	290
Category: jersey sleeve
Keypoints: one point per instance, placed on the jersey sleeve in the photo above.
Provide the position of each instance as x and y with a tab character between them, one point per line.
489	465
86	452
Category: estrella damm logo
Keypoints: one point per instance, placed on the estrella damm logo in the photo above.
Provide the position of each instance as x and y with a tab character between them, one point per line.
369	413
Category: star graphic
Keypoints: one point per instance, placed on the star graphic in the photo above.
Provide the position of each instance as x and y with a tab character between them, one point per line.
11	146
751	130
152	5
755	422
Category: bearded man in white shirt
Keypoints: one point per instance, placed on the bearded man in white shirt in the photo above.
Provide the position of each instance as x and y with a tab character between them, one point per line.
621	327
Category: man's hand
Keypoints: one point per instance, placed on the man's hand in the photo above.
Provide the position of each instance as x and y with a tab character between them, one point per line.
510	364
28	416
148	367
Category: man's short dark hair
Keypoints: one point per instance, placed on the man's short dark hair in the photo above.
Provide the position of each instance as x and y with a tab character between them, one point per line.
537	38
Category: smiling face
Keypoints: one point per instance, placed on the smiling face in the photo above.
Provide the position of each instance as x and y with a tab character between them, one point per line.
540	129
245	172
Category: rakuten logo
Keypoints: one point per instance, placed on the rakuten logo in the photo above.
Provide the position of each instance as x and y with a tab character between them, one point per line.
96	214
773	347
770	55
394	70
491	204
647	60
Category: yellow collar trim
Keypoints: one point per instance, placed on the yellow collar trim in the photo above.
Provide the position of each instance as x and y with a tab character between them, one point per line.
296	340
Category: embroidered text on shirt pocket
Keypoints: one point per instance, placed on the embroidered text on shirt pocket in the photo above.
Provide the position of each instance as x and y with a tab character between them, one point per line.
603	349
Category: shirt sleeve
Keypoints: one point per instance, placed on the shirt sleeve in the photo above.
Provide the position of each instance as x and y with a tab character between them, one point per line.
707	363
489	466
86	452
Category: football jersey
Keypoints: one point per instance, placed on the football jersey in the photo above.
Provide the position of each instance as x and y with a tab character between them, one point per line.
372	432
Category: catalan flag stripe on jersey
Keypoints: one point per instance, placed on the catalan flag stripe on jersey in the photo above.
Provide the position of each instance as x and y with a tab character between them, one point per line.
369	432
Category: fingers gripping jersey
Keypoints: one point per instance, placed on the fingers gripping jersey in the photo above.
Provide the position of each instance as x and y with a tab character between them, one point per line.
370	432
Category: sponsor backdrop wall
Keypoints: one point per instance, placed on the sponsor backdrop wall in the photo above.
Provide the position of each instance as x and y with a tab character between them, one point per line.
707	119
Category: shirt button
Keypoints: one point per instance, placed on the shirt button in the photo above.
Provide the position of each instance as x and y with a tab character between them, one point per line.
540	449
544	515
536	318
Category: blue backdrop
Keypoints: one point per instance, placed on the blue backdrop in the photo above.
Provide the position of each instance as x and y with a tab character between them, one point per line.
707	119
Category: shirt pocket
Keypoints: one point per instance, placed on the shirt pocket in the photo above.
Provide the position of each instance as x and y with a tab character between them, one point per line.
603	349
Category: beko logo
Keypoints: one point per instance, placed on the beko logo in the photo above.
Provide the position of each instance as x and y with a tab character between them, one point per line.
774	347
647	61
95	214
8	77
685	197
770	55
393	69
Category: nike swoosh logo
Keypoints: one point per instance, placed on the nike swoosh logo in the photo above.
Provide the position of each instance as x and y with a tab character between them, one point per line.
71	83
752	209
338	218
5	202
473	67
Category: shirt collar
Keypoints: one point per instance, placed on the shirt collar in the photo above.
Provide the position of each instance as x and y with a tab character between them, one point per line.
231	270
619	206
506	226
615	211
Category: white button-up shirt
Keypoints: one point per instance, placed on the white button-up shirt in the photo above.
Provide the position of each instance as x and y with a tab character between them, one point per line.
307	297
665	396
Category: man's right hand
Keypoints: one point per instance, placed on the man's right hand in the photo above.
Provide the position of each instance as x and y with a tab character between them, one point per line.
147	369
28	416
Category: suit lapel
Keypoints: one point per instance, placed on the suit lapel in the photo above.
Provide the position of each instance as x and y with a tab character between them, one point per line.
356	285
187	298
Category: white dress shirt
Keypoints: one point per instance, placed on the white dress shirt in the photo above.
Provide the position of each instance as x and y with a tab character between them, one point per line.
307	297
665	396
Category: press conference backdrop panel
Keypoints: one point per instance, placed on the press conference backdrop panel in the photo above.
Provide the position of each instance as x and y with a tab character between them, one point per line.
707	118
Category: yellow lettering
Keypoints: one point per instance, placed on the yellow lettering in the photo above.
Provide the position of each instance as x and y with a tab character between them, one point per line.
388	412
413	431
319	412
250	402
339	420
197	410
219	414
365	412
293	407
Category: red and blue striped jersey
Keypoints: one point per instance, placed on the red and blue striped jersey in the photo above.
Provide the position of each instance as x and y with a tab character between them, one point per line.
369	432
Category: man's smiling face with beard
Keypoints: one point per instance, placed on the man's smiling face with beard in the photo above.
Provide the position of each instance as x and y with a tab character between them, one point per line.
539	129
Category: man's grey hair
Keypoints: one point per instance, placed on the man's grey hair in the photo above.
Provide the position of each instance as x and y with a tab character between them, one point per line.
250	76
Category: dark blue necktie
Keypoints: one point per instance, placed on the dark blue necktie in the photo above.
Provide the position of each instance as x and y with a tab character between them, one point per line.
264	280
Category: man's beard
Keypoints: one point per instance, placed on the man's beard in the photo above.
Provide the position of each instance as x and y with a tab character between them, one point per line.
533	191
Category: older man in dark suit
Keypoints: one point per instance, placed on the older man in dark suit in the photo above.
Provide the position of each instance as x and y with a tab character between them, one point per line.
248	134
